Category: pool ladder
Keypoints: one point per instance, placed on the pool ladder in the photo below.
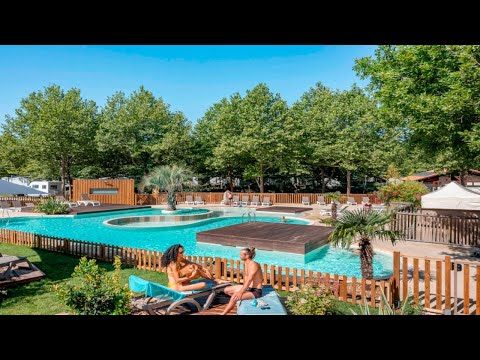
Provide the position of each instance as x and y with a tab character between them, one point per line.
249	216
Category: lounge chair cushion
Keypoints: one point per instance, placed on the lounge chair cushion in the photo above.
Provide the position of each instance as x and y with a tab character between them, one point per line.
269	296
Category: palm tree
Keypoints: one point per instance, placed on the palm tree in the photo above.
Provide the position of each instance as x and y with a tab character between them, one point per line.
169	179
366	225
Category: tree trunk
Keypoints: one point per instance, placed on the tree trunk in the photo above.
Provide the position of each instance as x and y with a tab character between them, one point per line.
230	175
171	201
334	210
322	181
462	178
261	180
348	182
366	259
62	175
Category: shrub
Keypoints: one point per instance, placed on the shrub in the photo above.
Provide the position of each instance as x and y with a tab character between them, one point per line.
313	298
51	206
408	308
94	292
406	191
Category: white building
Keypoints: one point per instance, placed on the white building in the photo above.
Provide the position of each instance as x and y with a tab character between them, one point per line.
19	180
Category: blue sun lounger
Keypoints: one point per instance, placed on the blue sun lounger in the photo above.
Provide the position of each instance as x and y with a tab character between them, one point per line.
156	296
270	297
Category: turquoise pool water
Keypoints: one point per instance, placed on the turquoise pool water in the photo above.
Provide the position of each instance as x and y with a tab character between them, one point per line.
91	228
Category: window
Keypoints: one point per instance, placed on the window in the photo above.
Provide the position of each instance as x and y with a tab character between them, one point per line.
53	187
109	191
44	186
35	186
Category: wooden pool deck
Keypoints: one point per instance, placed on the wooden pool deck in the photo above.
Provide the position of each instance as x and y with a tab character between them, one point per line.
298	239
103	208
284	209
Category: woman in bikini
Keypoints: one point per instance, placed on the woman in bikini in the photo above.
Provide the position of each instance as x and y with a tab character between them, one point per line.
180	271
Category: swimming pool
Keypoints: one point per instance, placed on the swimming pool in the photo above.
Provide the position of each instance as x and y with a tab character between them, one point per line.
91	228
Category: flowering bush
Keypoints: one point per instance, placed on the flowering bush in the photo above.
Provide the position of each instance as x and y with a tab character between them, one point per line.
313	298
407	191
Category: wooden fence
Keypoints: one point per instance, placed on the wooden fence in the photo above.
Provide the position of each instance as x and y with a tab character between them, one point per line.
22	199
275	198
353	290
438	228
438	284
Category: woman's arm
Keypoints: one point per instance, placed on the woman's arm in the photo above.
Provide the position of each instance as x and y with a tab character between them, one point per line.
173	271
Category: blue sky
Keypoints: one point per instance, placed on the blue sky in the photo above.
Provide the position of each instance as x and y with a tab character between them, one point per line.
189	78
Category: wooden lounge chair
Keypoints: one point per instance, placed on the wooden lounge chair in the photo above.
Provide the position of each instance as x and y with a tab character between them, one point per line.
4	207
321	200
85	201
156	296
199	200
266	201
245	200
255	200
305	200
189	200
351	201
364	199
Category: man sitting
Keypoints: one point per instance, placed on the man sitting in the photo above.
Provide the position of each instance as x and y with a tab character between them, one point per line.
253	284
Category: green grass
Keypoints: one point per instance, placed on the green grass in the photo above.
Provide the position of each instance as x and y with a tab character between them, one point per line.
37	298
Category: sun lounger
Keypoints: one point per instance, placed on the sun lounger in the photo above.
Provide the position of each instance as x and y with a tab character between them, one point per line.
156	296
255	200
364	199
245	200
85	201
236	199
4	206
321	200
273	305
351	201
266	201
199	200
17	206
66	202
305	200
189	200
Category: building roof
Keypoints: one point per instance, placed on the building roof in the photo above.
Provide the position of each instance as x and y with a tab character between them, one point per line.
421	175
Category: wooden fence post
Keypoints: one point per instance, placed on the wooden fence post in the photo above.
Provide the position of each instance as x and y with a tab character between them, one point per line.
396	278
218	268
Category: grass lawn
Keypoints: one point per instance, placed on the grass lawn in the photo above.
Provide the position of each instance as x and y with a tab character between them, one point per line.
37	297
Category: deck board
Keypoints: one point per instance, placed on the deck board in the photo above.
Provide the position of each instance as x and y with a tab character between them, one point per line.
298	239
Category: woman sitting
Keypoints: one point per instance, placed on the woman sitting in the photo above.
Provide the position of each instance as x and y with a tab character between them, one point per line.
180	271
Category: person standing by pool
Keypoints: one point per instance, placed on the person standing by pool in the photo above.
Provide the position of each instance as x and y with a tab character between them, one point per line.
253	284
230	197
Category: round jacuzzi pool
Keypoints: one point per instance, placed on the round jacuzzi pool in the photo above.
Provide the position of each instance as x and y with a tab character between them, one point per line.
168	218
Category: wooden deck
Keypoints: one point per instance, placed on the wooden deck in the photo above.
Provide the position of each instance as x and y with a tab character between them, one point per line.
285	209
298	239
22	275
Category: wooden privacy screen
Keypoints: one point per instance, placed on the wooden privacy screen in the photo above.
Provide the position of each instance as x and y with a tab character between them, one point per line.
108	191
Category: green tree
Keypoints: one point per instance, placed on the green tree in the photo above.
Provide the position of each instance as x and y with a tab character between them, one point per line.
363	226
53	130
434	89
139	132
169	179
264	138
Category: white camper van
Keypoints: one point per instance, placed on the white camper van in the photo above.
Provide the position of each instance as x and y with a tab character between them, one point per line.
49	187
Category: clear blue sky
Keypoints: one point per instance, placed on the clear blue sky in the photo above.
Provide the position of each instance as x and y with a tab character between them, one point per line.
189	78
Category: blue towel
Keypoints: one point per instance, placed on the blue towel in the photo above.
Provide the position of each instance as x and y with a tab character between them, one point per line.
270	296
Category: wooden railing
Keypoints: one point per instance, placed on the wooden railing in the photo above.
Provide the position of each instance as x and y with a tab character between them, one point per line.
438	284
275	198
438	229
353	290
